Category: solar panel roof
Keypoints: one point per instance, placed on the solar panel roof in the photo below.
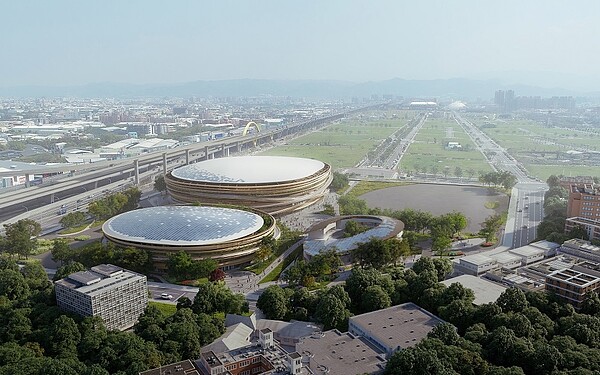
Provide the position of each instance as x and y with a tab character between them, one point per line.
249	169
183	225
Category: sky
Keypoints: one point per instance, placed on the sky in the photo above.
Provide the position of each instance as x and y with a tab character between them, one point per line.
74	42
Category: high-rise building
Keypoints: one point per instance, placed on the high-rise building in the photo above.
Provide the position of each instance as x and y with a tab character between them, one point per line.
499	98
115	294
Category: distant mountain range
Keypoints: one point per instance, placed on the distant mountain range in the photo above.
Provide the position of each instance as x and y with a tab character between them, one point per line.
457	88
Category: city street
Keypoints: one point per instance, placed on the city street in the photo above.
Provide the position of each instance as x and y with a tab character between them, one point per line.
522	221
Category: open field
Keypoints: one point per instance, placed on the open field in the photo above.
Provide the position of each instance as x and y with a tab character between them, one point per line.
542	149
428	152
344	144
441	199
544	171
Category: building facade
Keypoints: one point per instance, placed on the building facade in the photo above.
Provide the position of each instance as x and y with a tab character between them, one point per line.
584	201
573	285
591	227
116	295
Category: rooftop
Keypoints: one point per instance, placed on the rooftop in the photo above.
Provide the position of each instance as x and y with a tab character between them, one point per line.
485	291
477	259
527	251
334	352
572	276
183	225
180	368
98	278
386	227
403	325
249	170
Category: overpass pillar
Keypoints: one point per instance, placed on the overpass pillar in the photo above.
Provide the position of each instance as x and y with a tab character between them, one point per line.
187	157
223	150
27	180
164	163
52	198
238	145
96	185
136	167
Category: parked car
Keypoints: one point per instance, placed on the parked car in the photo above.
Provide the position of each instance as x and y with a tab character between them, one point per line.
166	296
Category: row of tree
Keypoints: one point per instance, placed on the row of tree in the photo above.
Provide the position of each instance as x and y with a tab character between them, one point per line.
552	227
501	178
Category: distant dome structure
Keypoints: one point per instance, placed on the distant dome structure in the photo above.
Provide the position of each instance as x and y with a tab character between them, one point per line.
229	236
277	185
458	105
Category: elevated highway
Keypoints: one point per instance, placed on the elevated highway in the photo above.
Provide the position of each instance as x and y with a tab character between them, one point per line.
86	181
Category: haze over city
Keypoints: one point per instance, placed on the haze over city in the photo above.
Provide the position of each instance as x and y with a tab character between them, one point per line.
62	43
299	187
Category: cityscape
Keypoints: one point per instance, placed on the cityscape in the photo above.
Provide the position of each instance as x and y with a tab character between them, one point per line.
333	188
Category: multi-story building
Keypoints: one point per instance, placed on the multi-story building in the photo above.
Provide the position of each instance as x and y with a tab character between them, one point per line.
581	248
116	295
395	328
567	181
591	227
584	201
574	284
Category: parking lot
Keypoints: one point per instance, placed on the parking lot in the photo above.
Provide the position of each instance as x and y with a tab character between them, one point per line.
157	289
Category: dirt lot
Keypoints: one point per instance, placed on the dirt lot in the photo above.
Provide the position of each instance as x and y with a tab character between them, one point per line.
440	199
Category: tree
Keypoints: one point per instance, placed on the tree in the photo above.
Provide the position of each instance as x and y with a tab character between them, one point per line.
21	236
263	252
416	361
73	219
61	250
217	275
339	181
35	276
68	269
512	299
331	311
375	298
491	226
13	285
458	172
274	303
553	181
160	184
62	336
376	253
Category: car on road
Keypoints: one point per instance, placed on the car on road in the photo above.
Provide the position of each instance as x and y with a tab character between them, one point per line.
519	210
525	226
526	197
166	296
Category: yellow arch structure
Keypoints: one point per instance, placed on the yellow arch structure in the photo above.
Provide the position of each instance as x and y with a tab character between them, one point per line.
248	125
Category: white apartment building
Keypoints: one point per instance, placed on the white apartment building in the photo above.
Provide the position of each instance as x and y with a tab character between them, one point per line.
115	294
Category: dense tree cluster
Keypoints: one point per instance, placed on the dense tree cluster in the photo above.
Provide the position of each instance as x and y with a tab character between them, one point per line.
37	338
320	267
378	253
115	204
20	238
339	182
366	289
501	178
134	259
181	266
441	228
552	227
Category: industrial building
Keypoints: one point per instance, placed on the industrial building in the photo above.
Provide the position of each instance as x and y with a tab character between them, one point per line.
274	184
116	295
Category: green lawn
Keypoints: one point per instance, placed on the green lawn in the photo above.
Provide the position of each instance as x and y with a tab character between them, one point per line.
343	144
364	187
428	152
274	275
166	309
540	147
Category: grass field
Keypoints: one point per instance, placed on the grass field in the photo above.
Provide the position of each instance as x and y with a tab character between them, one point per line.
541	148
428	152
344	144
166	309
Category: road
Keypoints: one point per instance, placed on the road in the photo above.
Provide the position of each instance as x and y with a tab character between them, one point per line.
521	224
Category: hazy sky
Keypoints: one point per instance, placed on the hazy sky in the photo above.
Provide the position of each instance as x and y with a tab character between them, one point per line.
63	42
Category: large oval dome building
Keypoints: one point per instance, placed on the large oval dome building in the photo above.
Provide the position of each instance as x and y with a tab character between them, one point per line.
230	236
277	185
